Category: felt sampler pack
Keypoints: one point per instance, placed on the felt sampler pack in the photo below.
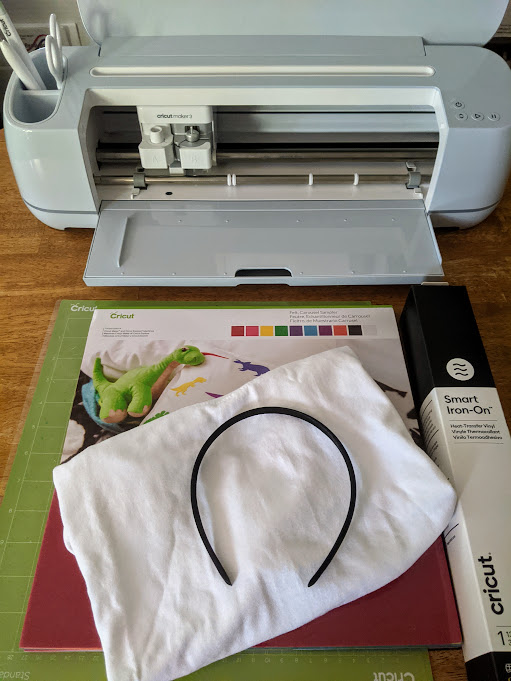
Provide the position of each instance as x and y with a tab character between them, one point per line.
273	497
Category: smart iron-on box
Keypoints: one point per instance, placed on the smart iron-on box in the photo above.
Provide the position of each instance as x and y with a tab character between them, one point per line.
272	141
466	435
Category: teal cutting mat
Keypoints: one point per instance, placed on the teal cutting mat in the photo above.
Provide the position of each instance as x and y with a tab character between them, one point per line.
23	515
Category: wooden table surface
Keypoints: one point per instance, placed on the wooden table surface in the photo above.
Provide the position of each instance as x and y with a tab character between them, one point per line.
40	266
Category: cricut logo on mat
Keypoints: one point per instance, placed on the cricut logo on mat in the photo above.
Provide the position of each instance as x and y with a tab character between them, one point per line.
118	315
83	308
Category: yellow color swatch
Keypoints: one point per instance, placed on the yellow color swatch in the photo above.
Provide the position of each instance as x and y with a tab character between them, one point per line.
266	330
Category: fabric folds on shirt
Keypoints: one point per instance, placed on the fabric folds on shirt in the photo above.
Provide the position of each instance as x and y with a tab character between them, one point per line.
273	493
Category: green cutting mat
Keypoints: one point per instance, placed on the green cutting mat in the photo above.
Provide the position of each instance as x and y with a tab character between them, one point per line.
23	515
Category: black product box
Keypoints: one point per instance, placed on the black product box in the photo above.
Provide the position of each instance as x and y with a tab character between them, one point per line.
465	433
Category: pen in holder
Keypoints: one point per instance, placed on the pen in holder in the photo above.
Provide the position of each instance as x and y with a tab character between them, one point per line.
13	58
16	54
34	106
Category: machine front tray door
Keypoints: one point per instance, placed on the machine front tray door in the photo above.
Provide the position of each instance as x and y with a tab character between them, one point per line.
144	243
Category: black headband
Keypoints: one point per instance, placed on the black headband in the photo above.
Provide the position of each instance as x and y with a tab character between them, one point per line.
288	412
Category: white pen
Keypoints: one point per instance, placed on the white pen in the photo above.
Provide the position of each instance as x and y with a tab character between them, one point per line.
18	66
15	43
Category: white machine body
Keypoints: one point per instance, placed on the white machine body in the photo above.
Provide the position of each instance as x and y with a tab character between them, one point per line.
245	144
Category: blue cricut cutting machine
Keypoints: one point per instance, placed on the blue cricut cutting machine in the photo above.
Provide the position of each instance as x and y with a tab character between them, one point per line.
278	142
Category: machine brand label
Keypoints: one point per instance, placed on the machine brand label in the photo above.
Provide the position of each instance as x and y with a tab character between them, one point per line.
164	115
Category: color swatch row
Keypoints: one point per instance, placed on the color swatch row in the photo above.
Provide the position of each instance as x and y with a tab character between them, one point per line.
306	330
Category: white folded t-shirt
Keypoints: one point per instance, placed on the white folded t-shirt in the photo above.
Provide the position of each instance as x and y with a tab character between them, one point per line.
273	494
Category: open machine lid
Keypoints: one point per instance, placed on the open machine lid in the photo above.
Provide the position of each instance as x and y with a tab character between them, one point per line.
464	22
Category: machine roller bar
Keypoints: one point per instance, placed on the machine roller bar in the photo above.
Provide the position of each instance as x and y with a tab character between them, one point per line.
260	179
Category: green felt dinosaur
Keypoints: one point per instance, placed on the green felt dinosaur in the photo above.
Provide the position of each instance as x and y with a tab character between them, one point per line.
133	393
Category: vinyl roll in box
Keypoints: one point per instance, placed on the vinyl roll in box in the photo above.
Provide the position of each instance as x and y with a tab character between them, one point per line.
465	433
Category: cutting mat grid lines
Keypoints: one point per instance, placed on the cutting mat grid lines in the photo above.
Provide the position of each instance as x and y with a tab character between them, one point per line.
30	488
60	366
22	520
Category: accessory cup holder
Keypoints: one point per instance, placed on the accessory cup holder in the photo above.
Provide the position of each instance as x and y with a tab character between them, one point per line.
34	106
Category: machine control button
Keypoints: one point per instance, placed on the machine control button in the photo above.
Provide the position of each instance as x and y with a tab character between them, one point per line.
477	116
494	116
461	116
457	104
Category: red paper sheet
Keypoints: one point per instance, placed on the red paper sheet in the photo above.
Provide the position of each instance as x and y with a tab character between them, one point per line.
417	609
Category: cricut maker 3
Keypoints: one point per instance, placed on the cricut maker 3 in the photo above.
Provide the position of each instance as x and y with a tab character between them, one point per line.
218	143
